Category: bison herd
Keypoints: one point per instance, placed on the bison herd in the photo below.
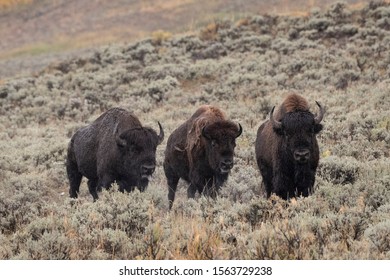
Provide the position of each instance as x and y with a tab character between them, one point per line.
116	147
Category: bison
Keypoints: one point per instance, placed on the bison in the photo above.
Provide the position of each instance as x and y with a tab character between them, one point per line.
200	151
115	147
286	148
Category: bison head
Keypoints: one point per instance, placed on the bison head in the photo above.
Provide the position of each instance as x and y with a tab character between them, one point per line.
220	142
298	130
137	147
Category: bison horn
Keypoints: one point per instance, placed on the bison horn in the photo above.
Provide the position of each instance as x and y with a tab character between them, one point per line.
276	124
318	118
239	130
161	135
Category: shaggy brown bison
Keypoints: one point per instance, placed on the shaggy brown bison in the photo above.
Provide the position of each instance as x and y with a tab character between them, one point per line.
287	150
115	147
200	151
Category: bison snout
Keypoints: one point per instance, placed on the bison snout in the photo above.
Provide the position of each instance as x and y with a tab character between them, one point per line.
147	170
226	165
302	155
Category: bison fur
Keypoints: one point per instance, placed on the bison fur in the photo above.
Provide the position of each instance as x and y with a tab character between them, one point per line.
286	148
114	148
200	151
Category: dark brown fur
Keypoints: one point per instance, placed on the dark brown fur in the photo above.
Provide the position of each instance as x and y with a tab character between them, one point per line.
200	151
288	156
293	103
115	147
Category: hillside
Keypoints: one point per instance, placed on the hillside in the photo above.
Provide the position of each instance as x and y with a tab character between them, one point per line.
36	33
339	57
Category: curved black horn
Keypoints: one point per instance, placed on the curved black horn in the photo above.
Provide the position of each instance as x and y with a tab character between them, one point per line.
318	118
161	135
239	130
276	124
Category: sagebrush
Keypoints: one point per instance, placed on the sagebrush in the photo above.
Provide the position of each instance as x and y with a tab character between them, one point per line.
338	57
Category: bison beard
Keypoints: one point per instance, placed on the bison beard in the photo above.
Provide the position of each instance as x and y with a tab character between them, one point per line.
114	148
296	180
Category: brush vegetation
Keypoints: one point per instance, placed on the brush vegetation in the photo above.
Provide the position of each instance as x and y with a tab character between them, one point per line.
339	57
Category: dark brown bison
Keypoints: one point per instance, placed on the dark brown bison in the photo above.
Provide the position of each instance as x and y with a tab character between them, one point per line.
115	147
287	150
200	151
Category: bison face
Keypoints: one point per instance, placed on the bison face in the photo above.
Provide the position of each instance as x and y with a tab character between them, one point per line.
220	143
137	148
298	132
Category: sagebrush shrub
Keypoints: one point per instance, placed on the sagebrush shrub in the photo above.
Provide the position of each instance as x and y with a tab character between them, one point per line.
338	57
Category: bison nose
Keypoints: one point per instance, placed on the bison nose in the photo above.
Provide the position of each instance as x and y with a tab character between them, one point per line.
226	165
302	155
148	169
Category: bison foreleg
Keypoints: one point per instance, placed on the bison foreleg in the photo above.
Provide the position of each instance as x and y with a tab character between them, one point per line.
74	177
172	180
92	186
125	186
172	185
266	174
198	183
104	181
191	191
281	185
210	188
219	180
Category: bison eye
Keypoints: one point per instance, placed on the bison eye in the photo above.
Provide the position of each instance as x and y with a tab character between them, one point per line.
214	143
135	149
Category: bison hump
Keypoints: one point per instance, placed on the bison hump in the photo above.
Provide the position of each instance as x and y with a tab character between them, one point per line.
292	103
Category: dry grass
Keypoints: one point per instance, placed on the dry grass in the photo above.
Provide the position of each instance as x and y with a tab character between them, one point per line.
334	57
5	4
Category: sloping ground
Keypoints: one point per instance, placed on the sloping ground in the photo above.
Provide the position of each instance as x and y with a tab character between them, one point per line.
338	57
39	32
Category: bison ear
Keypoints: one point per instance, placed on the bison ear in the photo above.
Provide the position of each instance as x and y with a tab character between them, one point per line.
205	135
317	128
279	130
120	141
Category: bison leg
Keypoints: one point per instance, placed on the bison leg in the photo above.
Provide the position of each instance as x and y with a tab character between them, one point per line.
282	185
74	177
172	185
304	181
266	174
219	180
92	187
192	188
123	186
211	189
104	181
198	183
172	180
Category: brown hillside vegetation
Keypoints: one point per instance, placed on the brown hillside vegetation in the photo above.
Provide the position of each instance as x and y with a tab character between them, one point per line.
37	32
339	57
